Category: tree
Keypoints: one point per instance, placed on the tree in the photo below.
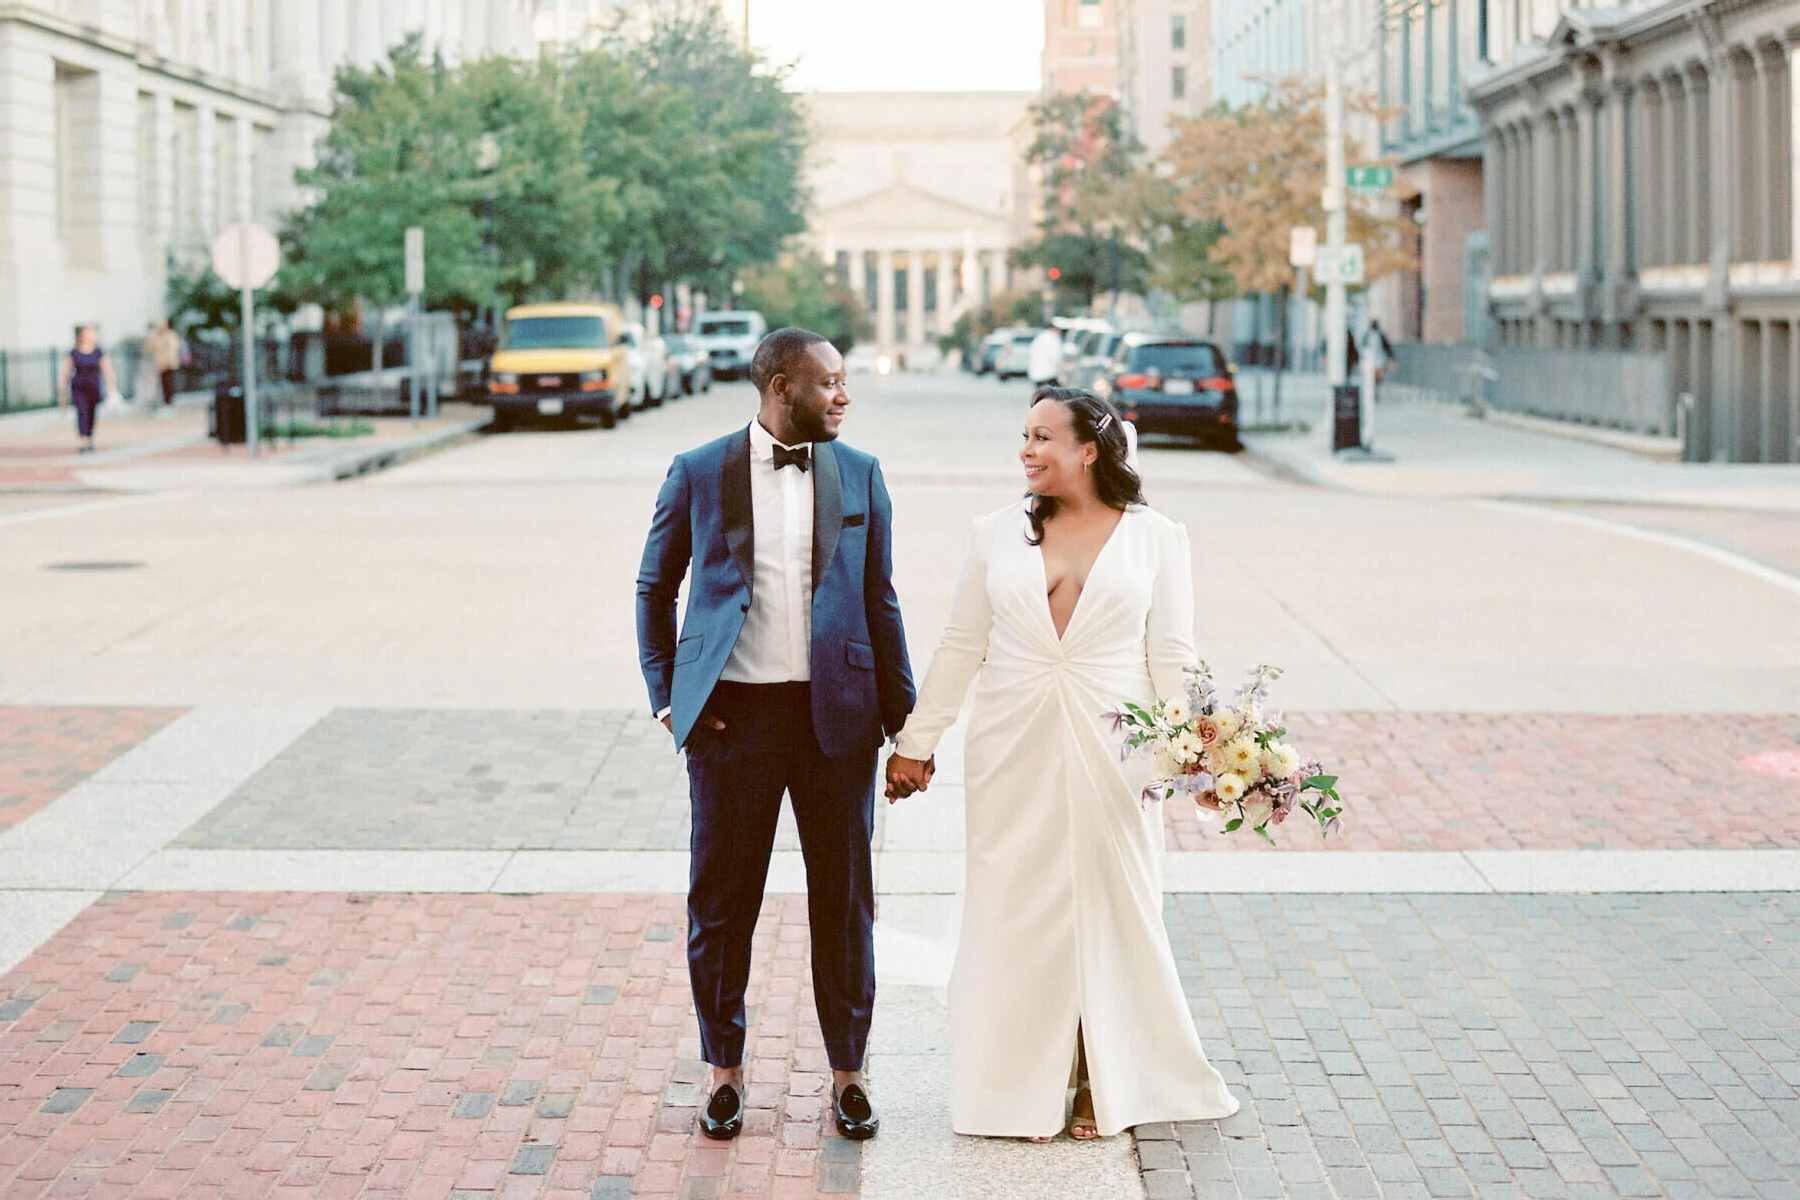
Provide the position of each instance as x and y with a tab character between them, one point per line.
798	290
1253	173
1085	160
748	196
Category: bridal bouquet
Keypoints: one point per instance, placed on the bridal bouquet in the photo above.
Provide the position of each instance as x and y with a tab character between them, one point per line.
1228	755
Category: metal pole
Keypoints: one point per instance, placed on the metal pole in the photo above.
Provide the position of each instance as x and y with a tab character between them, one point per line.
412	353
248	304
1334	201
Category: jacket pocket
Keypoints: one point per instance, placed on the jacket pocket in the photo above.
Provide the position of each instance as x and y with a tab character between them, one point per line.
860	654
688	648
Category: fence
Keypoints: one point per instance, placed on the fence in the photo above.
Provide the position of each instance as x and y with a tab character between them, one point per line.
1615	388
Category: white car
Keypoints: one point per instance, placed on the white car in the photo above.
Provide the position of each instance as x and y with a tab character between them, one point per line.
1014	358
730	340
648	359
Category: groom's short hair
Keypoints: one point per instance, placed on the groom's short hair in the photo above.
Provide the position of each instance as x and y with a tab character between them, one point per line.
779	354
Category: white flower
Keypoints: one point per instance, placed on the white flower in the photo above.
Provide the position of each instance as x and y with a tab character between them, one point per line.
1189	748
1176	710
1243	756
1258	809
1251	711
1231	722
1280	760
1231	787
1165	763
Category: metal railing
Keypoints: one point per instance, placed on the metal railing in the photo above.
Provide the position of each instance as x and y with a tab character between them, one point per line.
1618	389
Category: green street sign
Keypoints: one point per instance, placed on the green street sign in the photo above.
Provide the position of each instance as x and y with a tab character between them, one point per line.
1369	179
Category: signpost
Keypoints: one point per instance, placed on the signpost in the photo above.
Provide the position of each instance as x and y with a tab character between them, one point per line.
415	286
1369	179
246	256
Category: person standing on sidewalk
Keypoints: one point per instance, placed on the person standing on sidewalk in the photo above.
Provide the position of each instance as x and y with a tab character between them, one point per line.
787	672
164	349
87	377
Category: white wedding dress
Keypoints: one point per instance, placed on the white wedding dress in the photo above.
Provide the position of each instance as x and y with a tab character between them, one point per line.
1062	919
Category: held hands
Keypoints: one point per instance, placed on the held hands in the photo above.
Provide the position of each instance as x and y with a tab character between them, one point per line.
908	775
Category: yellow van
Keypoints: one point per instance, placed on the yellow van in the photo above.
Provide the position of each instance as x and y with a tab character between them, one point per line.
560	361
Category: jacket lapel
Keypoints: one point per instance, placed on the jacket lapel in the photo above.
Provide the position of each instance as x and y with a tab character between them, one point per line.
828	509
734	504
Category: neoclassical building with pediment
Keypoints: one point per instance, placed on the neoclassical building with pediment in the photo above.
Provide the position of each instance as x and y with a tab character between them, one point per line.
917	197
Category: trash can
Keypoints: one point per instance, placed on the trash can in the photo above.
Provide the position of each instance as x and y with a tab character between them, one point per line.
228	427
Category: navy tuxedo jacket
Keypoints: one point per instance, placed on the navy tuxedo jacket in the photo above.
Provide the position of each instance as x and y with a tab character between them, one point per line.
862	684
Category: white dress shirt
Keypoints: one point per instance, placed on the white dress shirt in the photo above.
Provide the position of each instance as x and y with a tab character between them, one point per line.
776	642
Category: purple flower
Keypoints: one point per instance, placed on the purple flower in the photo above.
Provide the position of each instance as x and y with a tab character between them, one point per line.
1116	717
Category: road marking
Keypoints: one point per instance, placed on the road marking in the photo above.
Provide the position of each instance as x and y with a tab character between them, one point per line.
72	510
1727	558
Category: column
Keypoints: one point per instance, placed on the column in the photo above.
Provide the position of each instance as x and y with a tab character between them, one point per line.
1588	212
1651	170
946	264
859	275
1698	187
915	297
884	300
1792	195
1777	150
996	272
1619	267
205	176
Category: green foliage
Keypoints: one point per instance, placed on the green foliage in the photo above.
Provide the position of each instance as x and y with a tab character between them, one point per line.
798	290
664	157
1087	263
970	329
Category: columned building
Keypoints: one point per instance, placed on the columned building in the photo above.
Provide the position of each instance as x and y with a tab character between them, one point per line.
134	131
918	197
1641	185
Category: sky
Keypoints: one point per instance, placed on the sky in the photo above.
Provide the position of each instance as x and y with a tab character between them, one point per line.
903	45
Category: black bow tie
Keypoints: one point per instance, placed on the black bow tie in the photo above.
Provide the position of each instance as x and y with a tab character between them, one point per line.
800	457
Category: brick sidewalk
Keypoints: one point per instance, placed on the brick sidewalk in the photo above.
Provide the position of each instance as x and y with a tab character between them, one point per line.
46	751
286	1045
1456	781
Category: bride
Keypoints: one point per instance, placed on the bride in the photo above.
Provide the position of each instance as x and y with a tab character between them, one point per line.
1074	600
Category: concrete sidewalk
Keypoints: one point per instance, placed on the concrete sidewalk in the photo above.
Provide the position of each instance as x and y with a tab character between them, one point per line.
1432	449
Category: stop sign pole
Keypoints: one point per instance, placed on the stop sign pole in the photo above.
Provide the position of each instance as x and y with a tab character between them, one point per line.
245	256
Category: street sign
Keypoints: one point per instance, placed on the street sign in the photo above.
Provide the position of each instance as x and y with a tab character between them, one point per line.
1338	264
1303	242
415	259
246	255
1369	179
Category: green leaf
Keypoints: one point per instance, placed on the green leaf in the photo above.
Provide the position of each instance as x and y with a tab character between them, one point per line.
1263	833
1233	825
1321	783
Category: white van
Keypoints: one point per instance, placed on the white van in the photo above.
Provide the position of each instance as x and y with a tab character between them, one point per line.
730	340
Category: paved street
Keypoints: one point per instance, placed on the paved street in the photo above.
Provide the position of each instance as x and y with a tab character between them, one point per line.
337	854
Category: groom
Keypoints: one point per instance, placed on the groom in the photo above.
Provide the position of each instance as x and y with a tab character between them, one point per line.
789	669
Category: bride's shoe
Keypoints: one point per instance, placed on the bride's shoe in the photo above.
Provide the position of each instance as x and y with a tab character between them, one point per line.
1082	1126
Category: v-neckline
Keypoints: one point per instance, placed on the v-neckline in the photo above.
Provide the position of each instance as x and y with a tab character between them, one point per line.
1044	571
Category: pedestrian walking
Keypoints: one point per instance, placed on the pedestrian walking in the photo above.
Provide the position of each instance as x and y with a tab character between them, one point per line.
87	377
166	351
1377	349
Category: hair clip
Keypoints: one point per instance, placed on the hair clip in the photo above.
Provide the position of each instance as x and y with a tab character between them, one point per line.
1104	424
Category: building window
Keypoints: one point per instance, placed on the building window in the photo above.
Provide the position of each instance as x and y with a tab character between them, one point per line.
226	194
902	296
1178	83
184	175
1178	32
929	284
150	174
1087	14
840	268
77	104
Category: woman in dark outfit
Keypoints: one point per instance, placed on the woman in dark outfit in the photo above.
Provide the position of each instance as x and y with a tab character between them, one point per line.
86	378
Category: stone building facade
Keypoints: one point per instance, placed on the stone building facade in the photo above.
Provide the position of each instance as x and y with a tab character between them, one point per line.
133	130
1641	185
917	199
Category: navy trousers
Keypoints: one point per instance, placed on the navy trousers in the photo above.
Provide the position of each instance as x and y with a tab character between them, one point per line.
736	778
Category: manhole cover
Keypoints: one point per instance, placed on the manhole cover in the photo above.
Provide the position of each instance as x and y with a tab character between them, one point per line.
114	564
1784	763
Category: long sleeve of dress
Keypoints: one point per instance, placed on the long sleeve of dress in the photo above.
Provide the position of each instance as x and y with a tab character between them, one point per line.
959	656
1169	630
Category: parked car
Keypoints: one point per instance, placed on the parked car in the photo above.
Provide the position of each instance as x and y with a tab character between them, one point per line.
730	340
982	361
691	364
1014	359
1171	384
649	359
564	361
1093	349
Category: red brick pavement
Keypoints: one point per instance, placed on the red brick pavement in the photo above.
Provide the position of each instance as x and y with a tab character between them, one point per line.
46	751
285	1044
1450	781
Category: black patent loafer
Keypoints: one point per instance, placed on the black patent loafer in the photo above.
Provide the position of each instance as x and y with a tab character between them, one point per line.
856	1117
723	1117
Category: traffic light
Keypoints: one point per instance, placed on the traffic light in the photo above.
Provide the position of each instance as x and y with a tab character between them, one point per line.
656	300
1055	274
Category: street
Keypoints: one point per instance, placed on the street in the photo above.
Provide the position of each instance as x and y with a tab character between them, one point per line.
340	853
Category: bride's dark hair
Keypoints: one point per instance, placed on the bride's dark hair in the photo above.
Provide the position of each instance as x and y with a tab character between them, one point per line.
1098	424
